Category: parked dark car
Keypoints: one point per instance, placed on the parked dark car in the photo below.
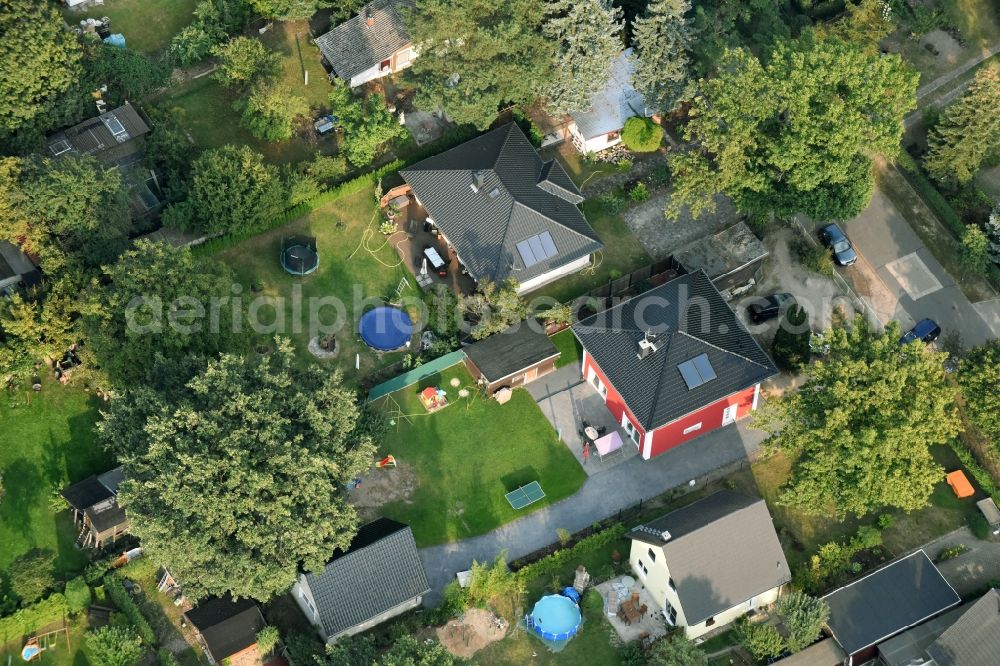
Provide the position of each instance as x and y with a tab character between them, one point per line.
770	307
835	239
926	330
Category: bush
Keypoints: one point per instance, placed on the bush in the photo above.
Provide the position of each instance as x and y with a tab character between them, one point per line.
454	601
495	585
761	639
529	128
815	258
32	575
270	112
558	560
267	639
303	648
166	658
124	602
834	560
77	595
642	135
952	552
790	348
114	646
803	617
129	74
613	202
974	253
639	193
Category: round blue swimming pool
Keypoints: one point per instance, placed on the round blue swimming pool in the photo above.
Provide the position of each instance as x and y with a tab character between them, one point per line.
385	328
555	617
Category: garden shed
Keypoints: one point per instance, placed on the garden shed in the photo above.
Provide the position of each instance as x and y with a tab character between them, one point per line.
514	357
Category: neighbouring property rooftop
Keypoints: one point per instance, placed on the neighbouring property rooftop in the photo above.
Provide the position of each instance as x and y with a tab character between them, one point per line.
366	39
723	253
511	351
888	601
615	103
110	137
226	626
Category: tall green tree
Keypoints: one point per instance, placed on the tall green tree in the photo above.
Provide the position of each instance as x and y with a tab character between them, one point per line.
729	24
978	379
270	111
662	39
477	56
675	650
161	315
795	135
244	60
39	61
232	189
589	38
859	431
865	23
42	324
968	130
368	124
803	617
32	575
115	646
240	481
128	74
300	10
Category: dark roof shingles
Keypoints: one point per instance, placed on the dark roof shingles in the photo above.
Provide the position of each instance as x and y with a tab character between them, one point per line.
690	318
974	639
354	46
513	203
510	351
227	626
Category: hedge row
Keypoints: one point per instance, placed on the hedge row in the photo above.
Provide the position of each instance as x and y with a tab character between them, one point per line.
28	620
982	477
555	562
123	601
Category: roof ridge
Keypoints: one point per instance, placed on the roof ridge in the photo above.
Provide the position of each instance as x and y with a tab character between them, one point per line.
663	369
506	232
725	351
349	554
756	502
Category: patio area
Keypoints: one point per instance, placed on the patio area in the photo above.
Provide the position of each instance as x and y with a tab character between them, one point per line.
623	590
570	404
411	221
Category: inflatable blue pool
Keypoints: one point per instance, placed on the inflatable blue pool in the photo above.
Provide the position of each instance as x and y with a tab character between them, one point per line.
385	328
555	617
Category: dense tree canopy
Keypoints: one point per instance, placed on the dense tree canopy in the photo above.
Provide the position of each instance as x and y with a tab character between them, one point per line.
132	334
236	483
859	430
39	61
675	650
231	190
128	74
727	24
478	55
270	111
300	10
968	130
39	325
979	380
795	135
588	35
662	38
368	124
115	646
244	60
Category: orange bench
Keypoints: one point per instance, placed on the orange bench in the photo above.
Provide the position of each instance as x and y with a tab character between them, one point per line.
960	485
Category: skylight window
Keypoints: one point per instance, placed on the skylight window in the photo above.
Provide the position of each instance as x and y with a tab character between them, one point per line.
59	147
697	371
113	124
537	248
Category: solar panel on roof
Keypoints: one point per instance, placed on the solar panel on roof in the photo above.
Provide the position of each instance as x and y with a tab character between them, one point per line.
536	249
114	125
697	371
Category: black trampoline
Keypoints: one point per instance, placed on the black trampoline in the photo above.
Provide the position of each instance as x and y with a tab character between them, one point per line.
298	255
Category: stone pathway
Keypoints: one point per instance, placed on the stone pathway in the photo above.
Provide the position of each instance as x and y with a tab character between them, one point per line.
601	496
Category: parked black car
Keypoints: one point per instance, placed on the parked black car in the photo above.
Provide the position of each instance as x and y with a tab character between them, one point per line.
835	239
926	330
770	307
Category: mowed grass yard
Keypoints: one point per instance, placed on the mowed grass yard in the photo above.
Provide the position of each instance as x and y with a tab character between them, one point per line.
49	441
468	455
348	271
209	111
148	25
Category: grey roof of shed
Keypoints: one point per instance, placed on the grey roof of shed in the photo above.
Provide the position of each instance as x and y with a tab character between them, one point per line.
227	626
892	599
380	571
722	551
613	104
974	639
519	347
824	653
353	46
110	137
519	197
689	318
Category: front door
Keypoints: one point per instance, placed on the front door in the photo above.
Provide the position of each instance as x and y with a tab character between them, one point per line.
729	416
630	430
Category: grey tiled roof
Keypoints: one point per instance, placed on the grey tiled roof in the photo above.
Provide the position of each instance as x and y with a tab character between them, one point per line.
520	196
354	46
227	626
378	572
689	318
615	103
974	639
95	137
722	551
887	602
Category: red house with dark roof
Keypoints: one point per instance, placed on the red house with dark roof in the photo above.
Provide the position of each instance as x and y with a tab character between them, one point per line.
673	363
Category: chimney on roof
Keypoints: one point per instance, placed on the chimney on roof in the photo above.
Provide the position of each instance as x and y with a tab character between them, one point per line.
648	344
478	180
665	535
369	19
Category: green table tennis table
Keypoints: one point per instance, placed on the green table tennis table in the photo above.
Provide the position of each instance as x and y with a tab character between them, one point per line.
525	495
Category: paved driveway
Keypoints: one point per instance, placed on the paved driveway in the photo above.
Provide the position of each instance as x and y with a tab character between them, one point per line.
970	571
917	285
602	495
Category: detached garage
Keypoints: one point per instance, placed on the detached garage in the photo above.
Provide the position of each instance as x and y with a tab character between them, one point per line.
517	356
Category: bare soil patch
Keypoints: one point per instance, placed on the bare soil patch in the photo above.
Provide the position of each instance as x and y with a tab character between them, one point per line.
469	633
943	46
381	486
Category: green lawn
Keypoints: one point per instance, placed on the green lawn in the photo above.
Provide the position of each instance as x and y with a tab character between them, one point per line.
59	655
348	269
622	253
291	40
48	442
569	347
592	645
468	455
148	25
578	168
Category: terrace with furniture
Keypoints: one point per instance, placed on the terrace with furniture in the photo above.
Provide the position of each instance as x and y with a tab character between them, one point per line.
631	610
